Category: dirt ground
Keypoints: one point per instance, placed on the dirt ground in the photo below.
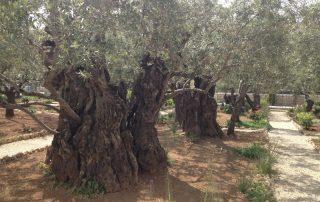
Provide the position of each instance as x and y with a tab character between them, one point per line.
207	169
223	118
22	124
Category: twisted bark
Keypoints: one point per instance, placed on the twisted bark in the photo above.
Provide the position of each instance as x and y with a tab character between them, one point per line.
99	147
148	97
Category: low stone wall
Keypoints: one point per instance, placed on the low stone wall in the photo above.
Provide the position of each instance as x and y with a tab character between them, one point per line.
281	99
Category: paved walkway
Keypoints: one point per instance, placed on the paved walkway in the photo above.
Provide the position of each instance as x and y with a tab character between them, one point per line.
298	164
23	146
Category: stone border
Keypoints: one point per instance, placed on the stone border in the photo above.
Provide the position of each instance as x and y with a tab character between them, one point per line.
27	136
10	159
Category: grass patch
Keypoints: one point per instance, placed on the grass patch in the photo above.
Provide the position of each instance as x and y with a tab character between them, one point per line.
255	191
265	158
257	124
255	151
266	163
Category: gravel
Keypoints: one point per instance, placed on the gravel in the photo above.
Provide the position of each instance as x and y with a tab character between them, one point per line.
298	165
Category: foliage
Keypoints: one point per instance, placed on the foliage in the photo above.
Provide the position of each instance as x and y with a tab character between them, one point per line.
46	169
258	115
3	98
129	94
48	101
169	103
317	110
298	109
228	109
265	158
305	119
26	99
32	109
89	188
165	118
255	191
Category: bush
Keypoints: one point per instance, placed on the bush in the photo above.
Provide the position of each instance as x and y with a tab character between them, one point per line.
258	115
228	109
305	119
317	110
299	109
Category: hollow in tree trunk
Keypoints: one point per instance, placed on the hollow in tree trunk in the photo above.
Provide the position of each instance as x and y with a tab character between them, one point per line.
99	147
11	98
235	117
148	97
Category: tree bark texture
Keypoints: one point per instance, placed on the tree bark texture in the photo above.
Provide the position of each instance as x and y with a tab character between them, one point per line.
196	111
148	97
11	96
99	147
235	117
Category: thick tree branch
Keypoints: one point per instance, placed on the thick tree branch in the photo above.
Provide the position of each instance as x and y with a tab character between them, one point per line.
64	106
20	90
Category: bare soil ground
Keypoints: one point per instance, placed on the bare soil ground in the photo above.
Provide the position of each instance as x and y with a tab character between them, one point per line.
223	118
208	168
23	125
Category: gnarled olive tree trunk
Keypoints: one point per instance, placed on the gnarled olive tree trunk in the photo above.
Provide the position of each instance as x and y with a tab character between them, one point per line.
148	97
99	147
235	117
11	98
309	102
196	112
